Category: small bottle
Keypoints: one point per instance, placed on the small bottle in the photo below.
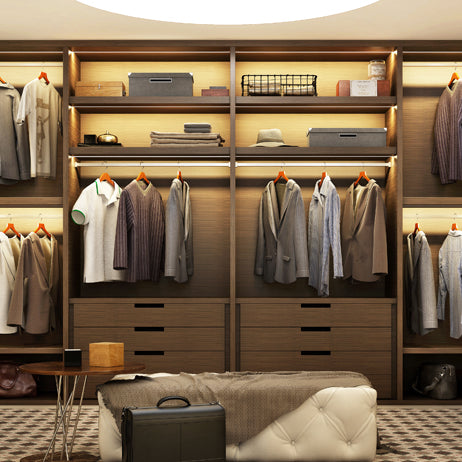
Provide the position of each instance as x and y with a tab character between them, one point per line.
377	69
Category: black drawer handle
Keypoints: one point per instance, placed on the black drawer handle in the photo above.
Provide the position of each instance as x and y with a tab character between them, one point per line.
160	80
315	353
315	305
347	135
149	329
149	353
315	329
149	305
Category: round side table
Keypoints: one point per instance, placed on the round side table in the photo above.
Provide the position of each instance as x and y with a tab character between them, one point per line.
64	404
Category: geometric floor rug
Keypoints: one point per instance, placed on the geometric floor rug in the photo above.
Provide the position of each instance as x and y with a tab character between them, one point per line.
413	433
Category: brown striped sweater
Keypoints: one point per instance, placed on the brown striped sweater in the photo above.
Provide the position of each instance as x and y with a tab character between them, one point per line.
447	147
139	242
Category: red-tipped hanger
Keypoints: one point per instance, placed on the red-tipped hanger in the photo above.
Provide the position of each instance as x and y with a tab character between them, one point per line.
323	175
179	176
1	80
43	75
416	229
454	227
362	175
143	177
10	227
41	226
105	177
281	175
454	76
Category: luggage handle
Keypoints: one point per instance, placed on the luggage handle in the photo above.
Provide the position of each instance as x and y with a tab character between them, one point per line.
436	380
168	398
160	80
347	135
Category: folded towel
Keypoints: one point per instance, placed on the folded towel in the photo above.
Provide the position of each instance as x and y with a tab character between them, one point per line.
197	130
176	141
187	145
187	136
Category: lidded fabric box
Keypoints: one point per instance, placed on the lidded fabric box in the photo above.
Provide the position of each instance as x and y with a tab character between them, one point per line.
160	84
98	88
343	137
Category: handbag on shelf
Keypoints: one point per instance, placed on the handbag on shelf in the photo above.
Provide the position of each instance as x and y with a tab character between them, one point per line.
14	383
437	381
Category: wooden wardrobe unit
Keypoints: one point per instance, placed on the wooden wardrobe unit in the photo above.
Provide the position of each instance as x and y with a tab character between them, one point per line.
225	317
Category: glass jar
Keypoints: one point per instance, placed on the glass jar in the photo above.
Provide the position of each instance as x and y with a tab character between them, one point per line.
377	69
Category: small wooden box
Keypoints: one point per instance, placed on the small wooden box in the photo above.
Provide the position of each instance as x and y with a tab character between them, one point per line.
106	354
87	88
215	92
383	88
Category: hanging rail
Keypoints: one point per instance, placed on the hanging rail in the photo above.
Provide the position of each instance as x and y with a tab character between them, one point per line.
31	64
439	64
21	216
228	164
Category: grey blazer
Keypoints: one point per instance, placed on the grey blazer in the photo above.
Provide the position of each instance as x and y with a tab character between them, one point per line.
364	236
282	253
179	260
420	285
14	145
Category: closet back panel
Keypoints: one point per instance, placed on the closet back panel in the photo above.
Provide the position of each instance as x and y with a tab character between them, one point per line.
210	208
248	194
204	73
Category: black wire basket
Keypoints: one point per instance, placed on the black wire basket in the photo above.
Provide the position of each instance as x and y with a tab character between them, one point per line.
279	85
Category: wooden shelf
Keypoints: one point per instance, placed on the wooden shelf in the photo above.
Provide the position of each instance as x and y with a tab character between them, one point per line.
433	350
31	201
432	202
319	300
39	350
120	152
414	400
86	300
315	153
315	104
152	104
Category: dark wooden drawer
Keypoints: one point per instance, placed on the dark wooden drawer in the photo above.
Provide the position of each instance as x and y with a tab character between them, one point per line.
306	338
149	314
316	314
154	338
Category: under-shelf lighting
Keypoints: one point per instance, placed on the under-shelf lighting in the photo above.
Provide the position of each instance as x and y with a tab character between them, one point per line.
242	11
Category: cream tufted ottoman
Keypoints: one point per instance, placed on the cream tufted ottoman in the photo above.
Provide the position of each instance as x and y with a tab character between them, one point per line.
335	424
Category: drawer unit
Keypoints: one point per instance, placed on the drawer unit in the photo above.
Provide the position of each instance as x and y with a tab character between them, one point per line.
160	84
315	314
153	338
149	314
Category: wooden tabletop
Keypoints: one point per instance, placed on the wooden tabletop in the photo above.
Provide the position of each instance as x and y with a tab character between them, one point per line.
57	368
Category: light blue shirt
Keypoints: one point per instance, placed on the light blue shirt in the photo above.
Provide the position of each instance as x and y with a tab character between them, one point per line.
324	233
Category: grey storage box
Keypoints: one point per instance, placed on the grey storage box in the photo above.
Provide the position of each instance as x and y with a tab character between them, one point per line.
343	137
160	84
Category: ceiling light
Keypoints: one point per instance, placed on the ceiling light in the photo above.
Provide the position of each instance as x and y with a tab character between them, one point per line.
219	13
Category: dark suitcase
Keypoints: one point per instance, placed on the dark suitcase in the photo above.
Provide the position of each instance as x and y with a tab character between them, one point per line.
173	434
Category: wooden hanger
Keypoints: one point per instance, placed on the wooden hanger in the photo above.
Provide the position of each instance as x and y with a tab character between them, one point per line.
416	229
41	226
1	80
454	76
105	177
143	177
323	175
179	176
281	175
11	227
362	175
454	227
43	75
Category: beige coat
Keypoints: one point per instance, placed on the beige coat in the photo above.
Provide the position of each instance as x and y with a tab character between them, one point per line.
34	299
364	237
282	253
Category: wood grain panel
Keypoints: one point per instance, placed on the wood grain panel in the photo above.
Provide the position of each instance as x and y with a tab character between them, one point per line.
126	315
337	339
204	73
171	338
375	363
285	315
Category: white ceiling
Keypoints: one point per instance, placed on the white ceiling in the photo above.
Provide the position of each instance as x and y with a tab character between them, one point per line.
384	20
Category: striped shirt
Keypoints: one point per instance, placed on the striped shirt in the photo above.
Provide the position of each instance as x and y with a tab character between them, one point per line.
139	242
447	147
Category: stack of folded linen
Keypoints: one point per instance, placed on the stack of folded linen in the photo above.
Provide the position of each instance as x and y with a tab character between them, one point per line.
194	127
175	139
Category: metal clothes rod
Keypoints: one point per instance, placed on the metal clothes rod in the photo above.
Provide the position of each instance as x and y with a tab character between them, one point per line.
313	164
31	64
442	64
423	216
21	216
152	164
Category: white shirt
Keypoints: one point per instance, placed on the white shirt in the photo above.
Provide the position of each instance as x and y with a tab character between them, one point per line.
41	104
96	209
9	255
